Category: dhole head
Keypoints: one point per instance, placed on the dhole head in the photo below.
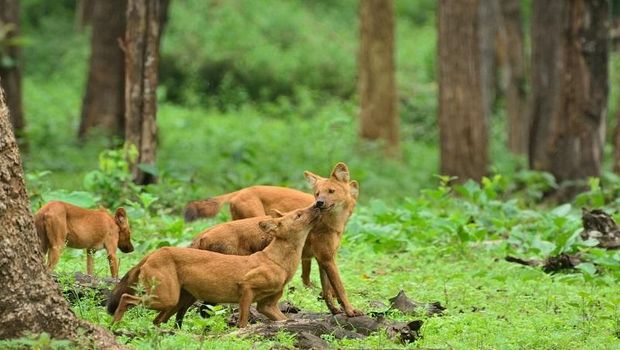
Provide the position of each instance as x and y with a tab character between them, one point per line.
333	192
124	233
292	224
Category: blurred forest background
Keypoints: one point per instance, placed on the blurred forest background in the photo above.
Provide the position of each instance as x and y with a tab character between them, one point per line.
256	92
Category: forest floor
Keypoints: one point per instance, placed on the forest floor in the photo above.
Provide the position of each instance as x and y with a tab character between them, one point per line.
489	303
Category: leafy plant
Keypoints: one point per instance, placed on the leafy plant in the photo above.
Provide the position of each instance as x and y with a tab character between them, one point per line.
113	181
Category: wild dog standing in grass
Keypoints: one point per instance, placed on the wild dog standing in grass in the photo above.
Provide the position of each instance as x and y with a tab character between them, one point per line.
335	195
58	223
173	277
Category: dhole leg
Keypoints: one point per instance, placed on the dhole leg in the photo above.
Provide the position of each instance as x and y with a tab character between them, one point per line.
269	307
306	267
327	292
164	316
127	300
333	275
89	262
113	262
53	256
247	295
185	301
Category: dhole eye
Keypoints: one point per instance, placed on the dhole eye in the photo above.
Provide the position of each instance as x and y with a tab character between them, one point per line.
331	190
316	194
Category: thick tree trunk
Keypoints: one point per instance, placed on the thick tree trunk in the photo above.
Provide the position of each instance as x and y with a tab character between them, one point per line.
379	118
30	301
463	118
141	58
84	10
569	87
511	42
103	106
488	27
10	73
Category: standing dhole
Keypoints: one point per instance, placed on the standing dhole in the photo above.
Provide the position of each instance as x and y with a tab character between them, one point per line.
59	223
336	196
174	277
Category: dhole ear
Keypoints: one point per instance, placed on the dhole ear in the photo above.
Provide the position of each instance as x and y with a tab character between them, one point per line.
311	178
341	172
120	215
354	189
275	213
268	225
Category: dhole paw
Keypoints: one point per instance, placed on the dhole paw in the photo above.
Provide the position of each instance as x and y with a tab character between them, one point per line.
354	313
309	285
336	310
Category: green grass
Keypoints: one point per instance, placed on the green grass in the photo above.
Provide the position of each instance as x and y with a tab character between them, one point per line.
438	246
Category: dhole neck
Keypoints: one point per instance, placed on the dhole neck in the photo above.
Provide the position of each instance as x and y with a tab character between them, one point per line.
285	253
336	221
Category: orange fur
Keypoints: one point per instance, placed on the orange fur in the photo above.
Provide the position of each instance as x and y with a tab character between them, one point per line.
60	223
249	202
338	195
174	277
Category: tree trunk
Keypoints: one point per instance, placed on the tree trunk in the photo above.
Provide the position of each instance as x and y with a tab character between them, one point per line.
84	10
10	73
141	58
463	118
511	41
30	301
569	88
379	118
488	27
103	105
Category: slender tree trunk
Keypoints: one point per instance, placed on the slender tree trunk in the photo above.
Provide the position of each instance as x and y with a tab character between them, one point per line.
463	118
511	41
569	88
10	72
141	58
29	299
379	118
103	105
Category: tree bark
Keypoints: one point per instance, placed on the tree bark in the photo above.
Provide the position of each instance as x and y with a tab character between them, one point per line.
141	58
103	105
488	27
379	118
569	88
10	72
463	118
511	42
84	10
30	301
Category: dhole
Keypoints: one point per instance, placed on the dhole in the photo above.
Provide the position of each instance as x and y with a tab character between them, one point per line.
58	223
173	277
249	202
336	196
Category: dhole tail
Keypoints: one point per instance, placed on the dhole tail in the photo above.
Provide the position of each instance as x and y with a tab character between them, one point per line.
206	208
124	286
